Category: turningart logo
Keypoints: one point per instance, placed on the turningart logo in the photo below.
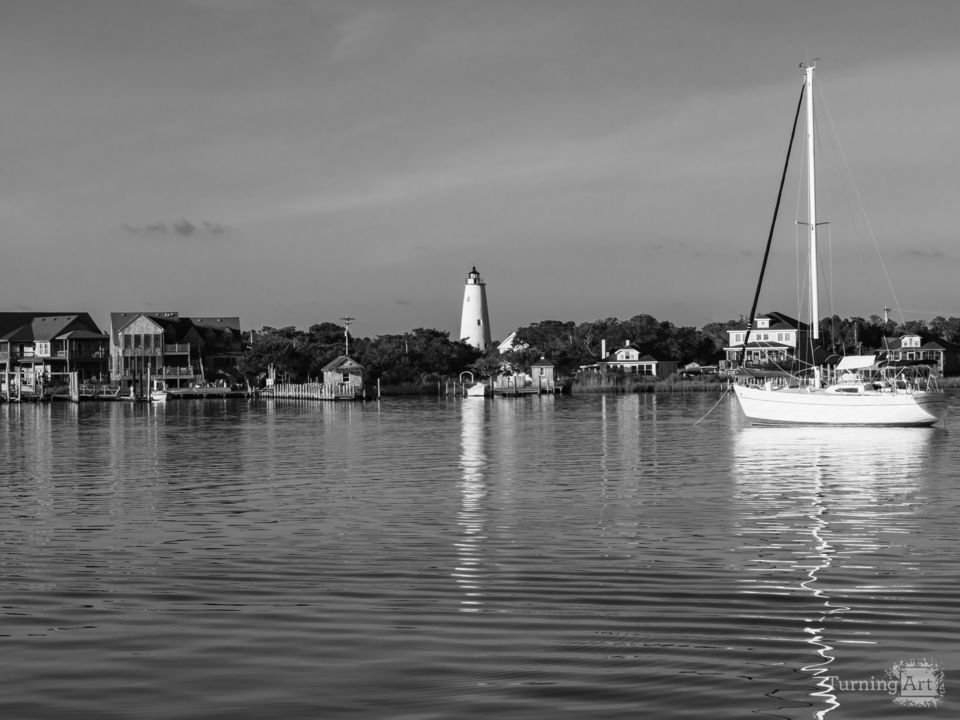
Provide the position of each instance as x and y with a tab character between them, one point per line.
917	682
920	682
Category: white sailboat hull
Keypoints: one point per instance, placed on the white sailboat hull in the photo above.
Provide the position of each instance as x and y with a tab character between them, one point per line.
800	406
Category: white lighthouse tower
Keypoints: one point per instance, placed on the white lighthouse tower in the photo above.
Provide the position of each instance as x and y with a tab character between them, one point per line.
475	320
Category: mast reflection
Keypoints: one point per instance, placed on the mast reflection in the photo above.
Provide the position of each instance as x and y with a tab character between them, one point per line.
812	499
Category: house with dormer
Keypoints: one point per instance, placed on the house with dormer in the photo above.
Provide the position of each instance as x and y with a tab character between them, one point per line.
911	349
632	360
178	350
42	349
774	338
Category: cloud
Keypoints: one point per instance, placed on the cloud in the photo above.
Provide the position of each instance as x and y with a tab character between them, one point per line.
182	227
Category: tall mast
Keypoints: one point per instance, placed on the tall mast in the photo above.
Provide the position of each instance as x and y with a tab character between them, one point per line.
812	209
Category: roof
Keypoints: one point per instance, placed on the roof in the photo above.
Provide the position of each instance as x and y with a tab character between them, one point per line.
82	335
44	328
10	321
342	362
761	345
644	357
177	327
119	320
778	321
218	323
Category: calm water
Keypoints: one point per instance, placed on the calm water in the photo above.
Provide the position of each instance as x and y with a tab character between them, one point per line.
569	557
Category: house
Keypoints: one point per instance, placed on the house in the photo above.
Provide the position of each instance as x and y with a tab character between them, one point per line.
911	349
42	349
178	350
632	360
543	374
218	342
147	344
343	377
774	338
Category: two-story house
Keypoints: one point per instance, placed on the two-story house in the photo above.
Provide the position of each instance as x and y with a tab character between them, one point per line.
44	348
178	350
911	349
631	359
774	338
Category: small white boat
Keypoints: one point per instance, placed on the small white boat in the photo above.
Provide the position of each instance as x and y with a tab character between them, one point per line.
470	387
477	390
159	392
868	394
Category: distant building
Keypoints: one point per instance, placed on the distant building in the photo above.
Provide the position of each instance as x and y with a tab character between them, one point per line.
474	318
910	349
44	348
178	350
774	337
632	360
343	377
542	374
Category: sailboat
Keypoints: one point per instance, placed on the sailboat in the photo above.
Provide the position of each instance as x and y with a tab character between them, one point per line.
856	393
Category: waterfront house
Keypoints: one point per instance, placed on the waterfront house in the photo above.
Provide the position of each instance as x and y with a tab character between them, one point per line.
42	349
911	349
774	338
343	377
631	359
181	351
542	375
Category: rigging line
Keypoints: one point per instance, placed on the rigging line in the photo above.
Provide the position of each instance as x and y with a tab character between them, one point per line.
776	211
722	396
863	210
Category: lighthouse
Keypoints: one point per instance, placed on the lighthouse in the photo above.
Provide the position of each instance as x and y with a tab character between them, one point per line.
475	321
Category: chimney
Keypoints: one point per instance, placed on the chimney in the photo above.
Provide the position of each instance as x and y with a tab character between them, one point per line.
603	349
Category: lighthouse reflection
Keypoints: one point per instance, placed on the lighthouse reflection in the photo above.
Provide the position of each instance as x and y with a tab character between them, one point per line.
470	517
817	508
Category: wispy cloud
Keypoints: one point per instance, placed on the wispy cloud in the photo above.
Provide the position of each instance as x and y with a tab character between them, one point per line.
181	227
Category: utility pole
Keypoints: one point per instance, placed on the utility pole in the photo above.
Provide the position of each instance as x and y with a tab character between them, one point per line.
346	333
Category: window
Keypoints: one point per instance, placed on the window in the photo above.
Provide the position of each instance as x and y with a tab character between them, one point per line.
346	377
478	322
43	349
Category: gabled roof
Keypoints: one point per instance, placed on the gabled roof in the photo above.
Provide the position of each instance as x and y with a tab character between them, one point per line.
342	362
10	321
119	320
641	356
778	321
896	343
782	321
82	335
44	328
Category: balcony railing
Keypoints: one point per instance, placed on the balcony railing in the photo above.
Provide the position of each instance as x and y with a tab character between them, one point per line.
177	349
177	372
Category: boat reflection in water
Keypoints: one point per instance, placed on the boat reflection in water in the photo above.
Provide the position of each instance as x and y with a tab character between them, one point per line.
470	517
817	507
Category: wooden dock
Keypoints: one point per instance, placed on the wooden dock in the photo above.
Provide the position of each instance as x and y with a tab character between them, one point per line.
314	391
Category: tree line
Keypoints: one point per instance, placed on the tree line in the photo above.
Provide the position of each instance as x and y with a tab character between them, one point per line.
424	355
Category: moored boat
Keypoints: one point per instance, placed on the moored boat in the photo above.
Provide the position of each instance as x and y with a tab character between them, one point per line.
860	393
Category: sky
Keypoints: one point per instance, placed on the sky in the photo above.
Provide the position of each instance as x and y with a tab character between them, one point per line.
297	161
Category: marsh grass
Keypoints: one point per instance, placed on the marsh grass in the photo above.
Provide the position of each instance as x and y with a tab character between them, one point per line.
616	383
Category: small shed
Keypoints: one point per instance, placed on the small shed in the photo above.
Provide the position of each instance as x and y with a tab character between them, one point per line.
543	375
343	376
